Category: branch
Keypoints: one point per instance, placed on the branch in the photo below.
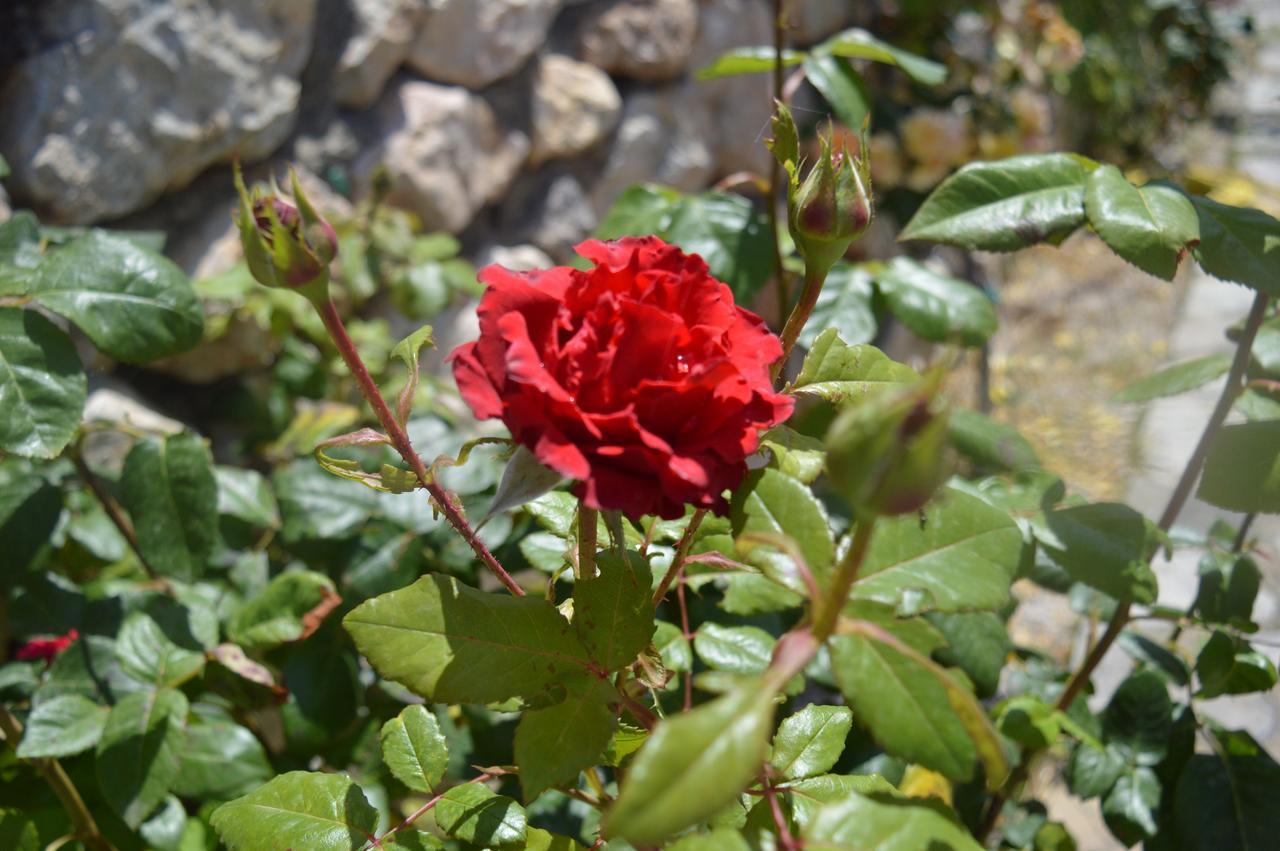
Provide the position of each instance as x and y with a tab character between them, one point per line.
400	441
114	513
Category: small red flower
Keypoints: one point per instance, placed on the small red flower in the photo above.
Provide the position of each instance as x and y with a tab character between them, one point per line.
640	378
45	648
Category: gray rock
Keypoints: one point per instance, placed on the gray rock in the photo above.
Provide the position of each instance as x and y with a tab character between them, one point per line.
518	258
445	153
647	40
738	108
575	107
813	20
476	42
140	96
664	137
384	32
550	209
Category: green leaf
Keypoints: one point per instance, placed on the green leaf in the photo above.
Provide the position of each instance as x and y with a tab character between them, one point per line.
613	611
1175	378
1105	545
840	373
1152	227
134	304
725	229
275	614
408	350
844	304
453	644
525	478
63	726
673	647
1005	205
976	643
913	708
1242	472
554	744
1029	721
1239	244
736	649
1139	718
809	742
170	491
316	506
718	839
246	495
937	307
147	654
1229	585
414	748
859	44
140	752
1226	803
474	814
797	455
1091	772
1129	809
1228	665
221	761
42	385
298	809
693	765
887	822
961	555
747	60
20	252
841	86
990	444
773	503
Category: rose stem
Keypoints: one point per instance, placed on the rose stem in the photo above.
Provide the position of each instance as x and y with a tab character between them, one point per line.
830	606
1178	499
423	810
588	532
682	553
775	169
400	441
114	513
86	829
813	280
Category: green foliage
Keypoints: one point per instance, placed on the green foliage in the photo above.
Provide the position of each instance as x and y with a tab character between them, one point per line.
42	385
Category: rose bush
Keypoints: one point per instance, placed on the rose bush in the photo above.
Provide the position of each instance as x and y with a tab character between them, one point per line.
638	378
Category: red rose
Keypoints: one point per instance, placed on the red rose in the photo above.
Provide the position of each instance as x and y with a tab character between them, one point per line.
639	378
45	648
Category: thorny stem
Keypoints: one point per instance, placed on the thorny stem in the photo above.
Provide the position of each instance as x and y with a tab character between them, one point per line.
680	557
86	829
588	531
444	500
114	513
785	840
423	810
813	280
688	636
1177	500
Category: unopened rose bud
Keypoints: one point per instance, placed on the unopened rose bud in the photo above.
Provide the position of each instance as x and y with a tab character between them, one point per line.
832	207
286	243
888	454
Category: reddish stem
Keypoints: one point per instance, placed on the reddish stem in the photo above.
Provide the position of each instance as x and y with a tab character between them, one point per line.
444	500
681	555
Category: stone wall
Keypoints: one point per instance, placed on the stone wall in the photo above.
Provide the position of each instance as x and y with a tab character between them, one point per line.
506	121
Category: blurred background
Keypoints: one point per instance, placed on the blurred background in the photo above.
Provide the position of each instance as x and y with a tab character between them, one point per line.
444	134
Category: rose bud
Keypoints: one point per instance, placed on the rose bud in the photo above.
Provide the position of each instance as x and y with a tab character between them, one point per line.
888	454
832	207
286	244
639	378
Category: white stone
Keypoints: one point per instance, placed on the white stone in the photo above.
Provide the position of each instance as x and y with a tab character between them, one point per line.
517	258
445	153
477	42
384	31
646	40
575	107
663	137
552	210
738	108
145	96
